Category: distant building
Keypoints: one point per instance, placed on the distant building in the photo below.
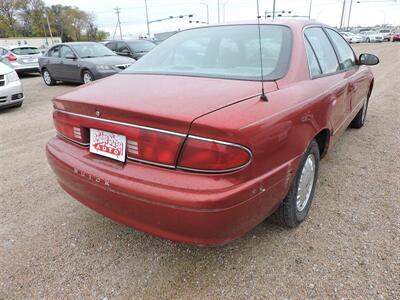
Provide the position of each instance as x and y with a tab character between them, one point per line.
40	42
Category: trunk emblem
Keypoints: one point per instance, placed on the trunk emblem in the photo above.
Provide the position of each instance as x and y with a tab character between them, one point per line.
98	114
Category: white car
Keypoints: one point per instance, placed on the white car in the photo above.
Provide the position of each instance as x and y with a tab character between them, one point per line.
22	58
352	37
387	34
11	92
371	36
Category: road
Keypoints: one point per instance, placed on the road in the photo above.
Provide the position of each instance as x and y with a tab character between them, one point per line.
51	246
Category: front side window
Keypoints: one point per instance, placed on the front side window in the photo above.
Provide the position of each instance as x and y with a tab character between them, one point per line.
229	51
323	50
141	46
346	54
123	47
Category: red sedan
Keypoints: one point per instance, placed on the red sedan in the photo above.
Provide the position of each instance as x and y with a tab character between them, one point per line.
396	37
204	137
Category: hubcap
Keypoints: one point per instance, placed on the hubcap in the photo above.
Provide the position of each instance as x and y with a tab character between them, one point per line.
306	183
87	78
47	77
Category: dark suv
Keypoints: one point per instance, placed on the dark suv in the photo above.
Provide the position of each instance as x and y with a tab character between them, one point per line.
133	48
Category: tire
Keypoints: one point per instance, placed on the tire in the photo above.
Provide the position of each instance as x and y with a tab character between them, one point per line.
359	119
368	40
19	104
293	211
47	78
87	76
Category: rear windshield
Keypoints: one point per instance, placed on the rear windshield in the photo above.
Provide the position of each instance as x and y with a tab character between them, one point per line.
229	51
141	46
25	51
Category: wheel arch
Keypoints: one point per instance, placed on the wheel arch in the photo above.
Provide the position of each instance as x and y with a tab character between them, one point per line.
323	138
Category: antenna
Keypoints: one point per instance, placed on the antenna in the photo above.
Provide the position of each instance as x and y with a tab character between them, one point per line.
262	96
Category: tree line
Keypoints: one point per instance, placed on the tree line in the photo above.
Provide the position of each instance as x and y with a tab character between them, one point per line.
33	18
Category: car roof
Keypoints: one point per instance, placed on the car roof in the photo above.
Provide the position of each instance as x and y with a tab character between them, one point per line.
20	46
79	43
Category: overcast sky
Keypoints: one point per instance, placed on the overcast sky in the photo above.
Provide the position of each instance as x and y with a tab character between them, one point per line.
133	16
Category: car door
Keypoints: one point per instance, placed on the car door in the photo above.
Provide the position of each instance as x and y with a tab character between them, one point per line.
332	79
347	59
52	61
69	68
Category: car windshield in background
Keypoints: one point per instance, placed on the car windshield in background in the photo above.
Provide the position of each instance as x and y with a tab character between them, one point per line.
25	51
141	46
229	51
92	50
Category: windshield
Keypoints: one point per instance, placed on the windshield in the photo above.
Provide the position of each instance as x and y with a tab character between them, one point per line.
141	46
229	51
25	51
92	50
385	31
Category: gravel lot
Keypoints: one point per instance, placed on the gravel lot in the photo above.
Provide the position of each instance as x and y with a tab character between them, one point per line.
51	246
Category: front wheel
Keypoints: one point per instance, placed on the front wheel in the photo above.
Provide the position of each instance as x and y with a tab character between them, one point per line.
48	80
359	119
87	77
295	207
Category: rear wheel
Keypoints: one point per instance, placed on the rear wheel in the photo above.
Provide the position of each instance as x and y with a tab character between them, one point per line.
368	40
359	119
87	76
295	207
48	80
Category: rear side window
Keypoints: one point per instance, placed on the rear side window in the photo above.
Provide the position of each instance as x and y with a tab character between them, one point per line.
3	51
25	51
54	52
346	54
323	50
313	64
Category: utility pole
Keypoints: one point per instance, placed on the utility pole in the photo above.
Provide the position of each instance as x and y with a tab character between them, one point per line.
147	19
273	11
348	20
48	25
208	12
309	11
342	18
219	15
118	11
223	10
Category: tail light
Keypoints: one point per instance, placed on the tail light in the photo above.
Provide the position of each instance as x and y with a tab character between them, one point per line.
11	57
153	146
204	155
69	127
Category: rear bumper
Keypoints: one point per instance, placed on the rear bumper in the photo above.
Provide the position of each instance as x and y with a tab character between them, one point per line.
10	94
176	205
25	67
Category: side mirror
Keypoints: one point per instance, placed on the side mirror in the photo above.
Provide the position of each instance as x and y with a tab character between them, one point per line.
125	52
368	59
70	56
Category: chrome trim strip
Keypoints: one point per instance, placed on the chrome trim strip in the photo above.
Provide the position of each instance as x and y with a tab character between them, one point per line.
120	123
71	140
166	132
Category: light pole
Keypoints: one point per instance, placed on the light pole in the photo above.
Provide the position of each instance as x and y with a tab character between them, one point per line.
273	11
147	19
348	20
309	11
223	10
208	12
342	18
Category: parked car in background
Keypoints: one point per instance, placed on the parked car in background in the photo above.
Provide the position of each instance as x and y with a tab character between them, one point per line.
396	37
387	34
196	143
351	37
80	62
11	91
371	36
22	58
134	48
